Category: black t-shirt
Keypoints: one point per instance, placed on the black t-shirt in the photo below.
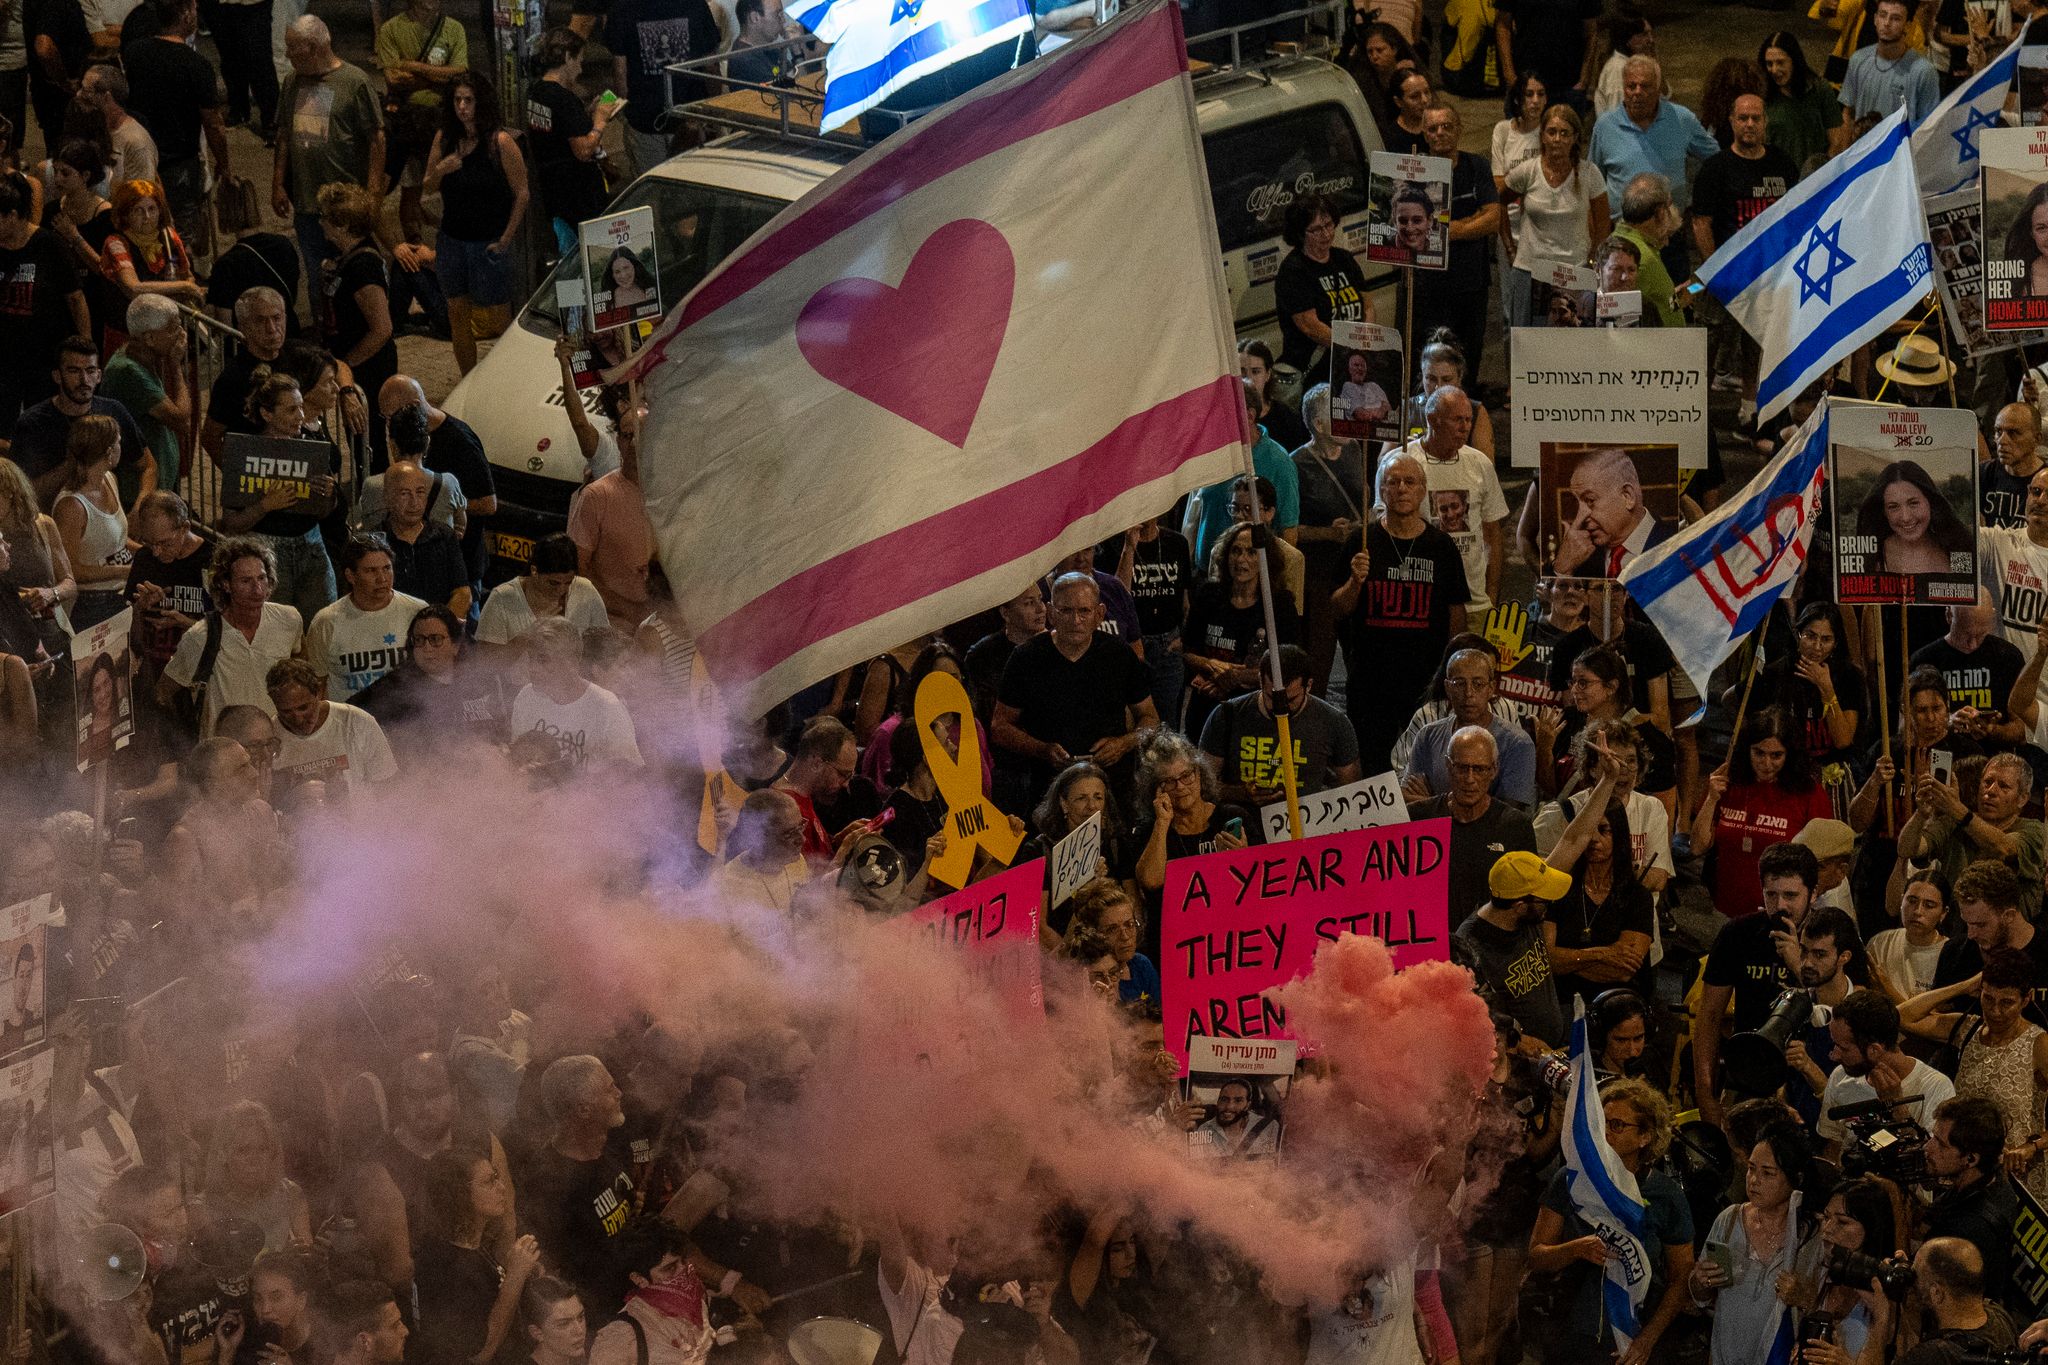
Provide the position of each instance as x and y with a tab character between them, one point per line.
1513	970
40	434
1218	630
456	1287
36	285
1475	847
983	668
1983	1217
1395	637
1642	648
169	87
64	25
569	188
1730	189
184	585
453	449
1961	959
649	34
1161	572
1333	290
343	320
266	259
1074	703
1782	685
430	567
1983	678
185	1307
2001	495
1472	259
228	402
1744	957
1550	38
576	1209
1322	504
1285	426
1582	923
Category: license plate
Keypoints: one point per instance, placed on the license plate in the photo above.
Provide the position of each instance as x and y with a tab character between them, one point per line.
516	548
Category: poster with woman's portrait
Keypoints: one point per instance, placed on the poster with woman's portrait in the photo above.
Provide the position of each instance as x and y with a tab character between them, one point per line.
1600	505
2015	232
1365	381
620	268
1903	503
1408	211
27	1160
105	675
594	354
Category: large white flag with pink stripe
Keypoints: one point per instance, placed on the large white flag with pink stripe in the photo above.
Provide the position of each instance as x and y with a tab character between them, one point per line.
995	338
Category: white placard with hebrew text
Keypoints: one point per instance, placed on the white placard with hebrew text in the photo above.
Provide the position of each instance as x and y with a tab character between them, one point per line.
1365	804
1074	859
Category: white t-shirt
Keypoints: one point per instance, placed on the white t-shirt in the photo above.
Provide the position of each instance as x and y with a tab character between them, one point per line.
443	502
1842	1088
2015	571
347	752
239	668
507	614
924	1332
1555	225
1465	491
594	726
1374	1326
1908	968
1511	147
354	647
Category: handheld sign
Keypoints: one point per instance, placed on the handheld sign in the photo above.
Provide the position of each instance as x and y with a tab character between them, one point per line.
250	466
1409	201
1074	859
104	669
1240	921
972	820
994	923
1367	803
1365	381
620	268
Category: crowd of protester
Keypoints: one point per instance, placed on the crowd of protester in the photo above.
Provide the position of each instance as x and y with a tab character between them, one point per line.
1851	844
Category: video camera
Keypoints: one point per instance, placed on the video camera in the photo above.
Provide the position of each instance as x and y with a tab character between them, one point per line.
1856	1269
2012	1355
1880	1144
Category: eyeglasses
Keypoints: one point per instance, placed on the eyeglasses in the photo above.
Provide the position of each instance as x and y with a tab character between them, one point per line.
1471	769
1622	1125
1180	780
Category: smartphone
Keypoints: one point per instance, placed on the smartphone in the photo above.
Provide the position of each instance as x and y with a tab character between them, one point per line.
1234	827
1942	764
608	97
1722	1255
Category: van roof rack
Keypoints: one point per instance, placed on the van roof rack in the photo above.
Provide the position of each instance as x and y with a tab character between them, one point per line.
791	110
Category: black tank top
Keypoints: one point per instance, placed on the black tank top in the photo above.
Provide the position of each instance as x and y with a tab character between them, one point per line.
476	199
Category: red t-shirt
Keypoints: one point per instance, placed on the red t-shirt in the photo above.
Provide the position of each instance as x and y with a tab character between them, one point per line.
1752	817
817	843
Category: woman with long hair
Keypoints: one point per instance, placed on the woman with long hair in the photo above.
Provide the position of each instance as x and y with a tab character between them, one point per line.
1599	935
245	1179
1818	683
355	288
2027	240
305	575
476	168
467	1301
1597	689
1762	1248
2004	1055
1903	959
1079	791
1766	789
1375	54
1224	639
91	520
1799	108
1515	136
83	220
1914	527
40	575
1562	199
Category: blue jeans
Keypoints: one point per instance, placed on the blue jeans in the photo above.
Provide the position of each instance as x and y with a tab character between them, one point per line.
305	575
424	285
1169	674
313	249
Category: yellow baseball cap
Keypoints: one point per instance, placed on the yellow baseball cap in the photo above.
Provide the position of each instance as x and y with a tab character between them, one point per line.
1519	876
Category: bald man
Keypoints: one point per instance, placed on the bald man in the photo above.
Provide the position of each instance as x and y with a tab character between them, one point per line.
2002	481
1609	522
453	450
1950	1274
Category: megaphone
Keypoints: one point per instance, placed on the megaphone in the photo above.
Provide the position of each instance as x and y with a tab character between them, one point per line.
111	1263
1754	1062
834	1341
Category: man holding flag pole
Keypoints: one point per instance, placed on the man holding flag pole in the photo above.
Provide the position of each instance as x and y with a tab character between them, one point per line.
1608	1209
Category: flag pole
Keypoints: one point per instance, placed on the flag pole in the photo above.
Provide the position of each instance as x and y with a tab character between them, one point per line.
1756	654
1276	694
1884	707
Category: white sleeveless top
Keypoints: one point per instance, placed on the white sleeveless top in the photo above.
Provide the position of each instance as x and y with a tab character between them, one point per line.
104	541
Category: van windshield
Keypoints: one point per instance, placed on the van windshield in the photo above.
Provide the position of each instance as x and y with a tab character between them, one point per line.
695	227
1257	169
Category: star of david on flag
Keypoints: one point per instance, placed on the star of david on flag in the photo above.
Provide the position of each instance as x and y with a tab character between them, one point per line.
880	46
1945	143
1830	265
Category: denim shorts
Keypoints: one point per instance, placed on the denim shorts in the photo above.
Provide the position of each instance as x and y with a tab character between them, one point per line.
471	271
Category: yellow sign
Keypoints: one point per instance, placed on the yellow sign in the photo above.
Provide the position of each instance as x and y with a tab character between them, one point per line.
972	820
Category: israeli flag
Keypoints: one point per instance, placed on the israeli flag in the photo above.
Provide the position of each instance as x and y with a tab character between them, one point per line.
1784	1343
1830	265
1604	1194
880	46
1945	143
1709	586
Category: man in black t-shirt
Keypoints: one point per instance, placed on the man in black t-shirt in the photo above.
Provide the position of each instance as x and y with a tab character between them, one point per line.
1733	186
260	315
1456	297
1554	39
42	431
175	93
2002	482
1023	618
1483	827
1753	960
452	449
576	1191
1074	693
644	36
40	304
1154	563
1980	667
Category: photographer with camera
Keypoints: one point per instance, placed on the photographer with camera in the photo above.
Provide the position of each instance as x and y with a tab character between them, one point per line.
1848	1319
1869	1066
1949	1272
1753	960
1973	1199
2003	1057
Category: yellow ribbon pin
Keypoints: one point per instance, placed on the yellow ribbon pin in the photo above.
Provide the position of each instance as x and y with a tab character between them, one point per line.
972	820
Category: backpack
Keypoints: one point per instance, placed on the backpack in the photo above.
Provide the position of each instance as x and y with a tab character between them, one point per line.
188	704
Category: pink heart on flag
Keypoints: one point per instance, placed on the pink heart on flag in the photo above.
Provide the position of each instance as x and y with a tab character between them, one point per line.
926	348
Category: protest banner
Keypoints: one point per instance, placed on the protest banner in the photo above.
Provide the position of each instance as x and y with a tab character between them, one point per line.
1622	308
1953	221
251	466
1599	506
620	268
2030	1250
594	352
1602	384
103	669
1238	922
972	820
27	1161
1561	294
2014	233
1264	1067
1903	492
994	924
24	1001
1075	859
1408	211
1365	381
1365	804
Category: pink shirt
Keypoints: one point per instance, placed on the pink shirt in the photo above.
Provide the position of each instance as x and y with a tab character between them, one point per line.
608	522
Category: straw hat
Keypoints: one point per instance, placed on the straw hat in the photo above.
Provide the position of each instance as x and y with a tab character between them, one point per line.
1916	361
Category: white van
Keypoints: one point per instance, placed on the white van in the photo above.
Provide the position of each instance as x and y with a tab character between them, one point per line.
1288	127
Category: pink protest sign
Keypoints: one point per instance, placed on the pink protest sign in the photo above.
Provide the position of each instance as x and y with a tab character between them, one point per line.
995	923
1238	922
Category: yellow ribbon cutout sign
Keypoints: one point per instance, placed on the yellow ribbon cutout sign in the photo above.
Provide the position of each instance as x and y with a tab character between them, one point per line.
972	820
